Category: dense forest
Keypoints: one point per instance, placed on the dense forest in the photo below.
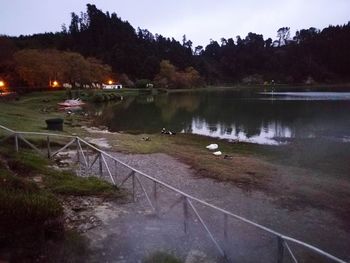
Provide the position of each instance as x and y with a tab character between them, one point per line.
312	55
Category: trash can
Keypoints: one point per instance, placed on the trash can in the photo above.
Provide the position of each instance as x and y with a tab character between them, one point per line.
55	124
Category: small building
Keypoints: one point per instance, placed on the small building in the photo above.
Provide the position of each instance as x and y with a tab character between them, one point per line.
112	86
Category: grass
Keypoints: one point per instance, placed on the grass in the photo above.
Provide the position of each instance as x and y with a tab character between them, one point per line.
31	216
29	164
27	213
245	165
68	184
29	111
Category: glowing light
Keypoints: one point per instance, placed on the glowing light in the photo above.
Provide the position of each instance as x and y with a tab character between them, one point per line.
2	84
54	84
110	82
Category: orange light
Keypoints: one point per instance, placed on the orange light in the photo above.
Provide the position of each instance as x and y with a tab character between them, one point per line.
2	84
110	82
54	84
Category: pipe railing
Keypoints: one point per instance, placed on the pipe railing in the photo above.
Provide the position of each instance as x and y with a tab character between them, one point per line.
186	199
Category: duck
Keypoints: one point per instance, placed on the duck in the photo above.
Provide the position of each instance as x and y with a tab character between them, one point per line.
212	146
218	153
164	131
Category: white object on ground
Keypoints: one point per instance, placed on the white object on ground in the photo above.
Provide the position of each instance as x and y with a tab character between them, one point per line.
212	146
71	103
217	153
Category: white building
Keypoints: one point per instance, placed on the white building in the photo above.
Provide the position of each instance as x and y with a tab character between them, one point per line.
112	86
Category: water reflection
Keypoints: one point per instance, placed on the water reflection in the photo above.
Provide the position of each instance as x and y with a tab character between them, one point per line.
273	133
306	95
233	116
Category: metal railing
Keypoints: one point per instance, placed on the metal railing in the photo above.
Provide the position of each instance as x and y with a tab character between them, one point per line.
83	158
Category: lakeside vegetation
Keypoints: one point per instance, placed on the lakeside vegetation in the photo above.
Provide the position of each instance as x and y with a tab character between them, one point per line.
31	212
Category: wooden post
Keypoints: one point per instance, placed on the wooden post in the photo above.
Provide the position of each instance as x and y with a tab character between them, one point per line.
16	142
78	155
225	226
133	187
155	195
100	164
48	147
185	209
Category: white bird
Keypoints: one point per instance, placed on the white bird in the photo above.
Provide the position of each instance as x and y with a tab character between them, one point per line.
212	146
217	153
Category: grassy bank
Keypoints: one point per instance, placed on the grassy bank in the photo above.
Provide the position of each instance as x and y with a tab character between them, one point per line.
277	171
31	213
28	112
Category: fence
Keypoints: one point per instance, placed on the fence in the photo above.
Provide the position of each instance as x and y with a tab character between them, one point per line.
92	157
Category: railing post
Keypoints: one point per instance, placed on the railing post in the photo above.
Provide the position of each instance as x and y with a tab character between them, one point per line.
100	164
280	249
225	226
87	156
115	169
155	197
48	147
16	142
185	209
78	155
133	186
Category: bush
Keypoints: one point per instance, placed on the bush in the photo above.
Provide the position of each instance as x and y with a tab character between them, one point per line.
104	96
142	83
98	97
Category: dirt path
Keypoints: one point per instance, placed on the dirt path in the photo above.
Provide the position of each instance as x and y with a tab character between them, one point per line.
130	231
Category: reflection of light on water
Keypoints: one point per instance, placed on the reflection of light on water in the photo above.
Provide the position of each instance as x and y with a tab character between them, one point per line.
346	139
305	96
268	133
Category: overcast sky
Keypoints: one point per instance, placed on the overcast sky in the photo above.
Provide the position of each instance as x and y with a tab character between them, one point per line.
200	20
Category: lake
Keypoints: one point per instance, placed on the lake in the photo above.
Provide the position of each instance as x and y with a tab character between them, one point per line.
249	116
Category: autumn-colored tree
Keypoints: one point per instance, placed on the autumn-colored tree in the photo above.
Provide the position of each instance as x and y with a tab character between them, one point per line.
39	67
7	64
170	77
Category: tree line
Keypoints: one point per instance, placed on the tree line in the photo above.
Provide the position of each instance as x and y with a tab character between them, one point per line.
113	45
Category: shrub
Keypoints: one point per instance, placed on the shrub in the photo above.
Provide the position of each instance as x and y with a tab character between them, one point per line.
98	97
142	83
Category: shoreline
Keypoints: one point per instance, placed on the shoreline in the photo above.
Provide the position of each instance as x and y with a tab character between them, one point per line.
252	87
252	168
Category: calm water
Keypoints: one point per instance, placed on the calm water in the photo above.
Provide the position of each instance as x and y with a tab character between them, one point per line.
263	118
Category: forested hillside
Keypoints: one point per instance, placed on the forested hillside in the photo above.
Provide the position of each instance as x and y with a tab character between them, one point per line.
134	54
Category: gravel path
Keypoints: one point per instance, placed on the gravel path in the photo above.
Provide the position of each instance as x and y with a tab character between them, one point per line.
130	231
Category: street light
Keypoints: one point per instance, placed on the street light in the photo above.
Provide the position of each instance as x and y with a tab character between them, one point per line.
110	82
2	84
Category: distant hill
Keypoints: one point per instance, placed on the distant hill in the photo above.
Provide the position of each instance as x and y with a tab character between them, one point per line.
311	55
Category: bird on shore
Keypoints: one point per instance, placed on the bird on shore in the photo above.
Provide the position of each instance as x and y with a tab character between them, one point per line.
164	131
212	146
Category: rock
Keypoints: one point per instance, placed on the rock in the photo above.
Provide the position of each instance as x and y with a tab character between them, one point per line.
84	227
38	179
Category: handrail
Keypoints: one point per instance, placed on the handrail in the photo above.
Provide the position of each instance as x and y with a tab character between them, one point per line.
225	212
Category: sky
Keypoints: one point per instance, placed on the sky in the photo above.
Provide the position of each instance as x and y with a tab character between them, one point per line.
199	20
